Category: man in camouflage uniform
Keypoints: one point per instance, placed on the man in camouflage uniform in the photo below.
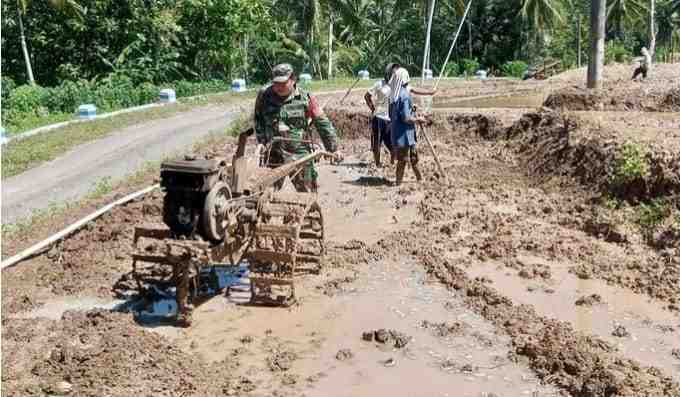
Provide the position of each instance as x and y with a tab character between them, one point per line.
285	111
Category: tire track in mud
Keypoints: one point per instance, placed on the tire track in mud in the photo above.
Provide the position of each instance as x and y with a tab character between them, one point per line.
581	364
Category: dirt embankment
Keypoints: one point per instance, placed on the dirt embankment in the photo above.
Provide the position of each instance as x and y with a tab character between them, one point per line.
618	91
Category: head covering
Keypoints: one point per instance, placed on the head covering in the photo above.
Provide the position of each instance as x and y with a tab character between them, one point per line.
399	78
388	70
282	72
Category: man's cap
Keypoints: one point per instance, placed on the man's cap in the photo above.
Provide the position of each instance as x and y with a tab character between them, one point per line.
282	72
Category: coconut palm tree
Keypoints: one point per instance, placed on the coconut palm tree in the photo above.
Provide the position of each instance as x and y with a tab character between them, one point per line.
541	16
624	12
69	6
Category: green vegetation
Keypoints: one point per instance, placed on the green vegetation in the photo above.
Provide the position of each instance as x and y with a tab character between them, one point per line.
101	188
162	42
514	69
630	165
651	215
27	107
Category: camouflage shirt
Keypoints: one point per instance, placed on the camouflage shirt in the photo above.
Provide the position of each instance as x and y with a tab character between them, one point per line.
289	118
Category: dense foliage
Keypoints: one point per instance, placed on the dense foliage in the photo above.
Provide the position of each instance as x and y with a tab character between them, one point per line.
158	41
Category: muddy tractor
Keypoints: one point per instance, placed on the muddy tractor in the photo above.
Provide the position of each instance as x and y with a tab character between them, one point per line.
244	212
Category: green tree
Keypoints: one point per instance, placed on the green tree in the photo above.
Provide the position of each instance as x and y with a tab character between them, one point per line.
622	13
541	17
69	6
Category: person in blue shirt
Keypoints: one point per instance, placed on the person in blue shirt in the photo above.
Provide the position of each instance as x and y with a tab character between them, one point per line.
403	124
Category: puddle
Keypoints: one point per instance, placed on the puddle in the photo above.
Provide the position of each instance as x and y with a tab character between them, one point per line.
212	281
399	296
650	341
54	309
517	101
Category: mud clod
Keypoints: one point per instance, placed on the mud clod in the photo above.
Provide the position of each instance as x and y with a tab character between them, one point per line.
676	353
391	338
281	361
590	300
444	330
344	354
620	331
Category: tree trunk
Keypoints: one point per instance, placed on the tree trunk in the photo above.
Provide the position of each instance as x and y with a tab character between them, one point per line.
29	69
578	41
330	48
469	39
652	28
426	55
597	32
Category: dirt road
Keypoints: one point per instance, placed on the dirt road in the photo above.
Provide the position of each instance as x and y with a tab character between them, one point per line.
72	175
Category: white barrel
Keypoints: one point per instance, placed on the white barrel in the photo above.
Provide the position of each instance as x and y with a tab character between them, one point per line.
364	75
167	95
238	85
87	111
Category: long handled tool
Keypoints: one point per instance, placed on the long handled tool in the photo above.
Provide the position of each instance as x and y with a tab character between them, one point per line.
434	153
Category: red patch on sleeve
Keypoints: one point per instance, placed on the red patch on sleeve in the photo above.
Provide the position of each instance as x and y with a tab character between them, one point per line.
314	110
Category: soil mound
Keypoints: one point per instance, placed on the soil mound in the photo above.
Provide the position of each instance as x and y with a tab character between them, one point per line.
350	123
551	143
101	353
672	100
574	98
486	127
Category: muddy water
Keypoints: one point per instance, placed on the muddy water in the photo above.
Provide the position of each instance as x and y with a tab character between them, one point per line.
654	332
398	296
385	295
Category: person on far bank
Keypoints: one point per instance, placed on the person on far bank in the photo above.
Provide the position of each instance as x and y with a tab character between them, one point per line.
377	100
403	124
645	64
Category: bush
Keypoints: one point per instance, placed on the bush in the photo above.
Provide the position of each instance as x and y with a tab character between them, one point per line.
514	69
470	66
8	86
24	106
651	215
616	52
630	165
27	99
452	70
69	95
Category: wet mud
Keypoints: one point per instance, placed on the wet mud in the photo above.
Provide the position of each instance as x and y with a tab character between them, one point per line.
459	280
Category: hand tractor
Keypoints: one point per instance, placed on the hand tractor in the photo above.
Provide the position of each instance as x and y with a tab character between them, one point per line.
243	212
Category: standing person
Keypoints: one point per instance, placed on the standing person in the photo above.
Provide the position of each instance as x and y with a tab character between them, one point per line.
403	120
283	110
645	64
377	98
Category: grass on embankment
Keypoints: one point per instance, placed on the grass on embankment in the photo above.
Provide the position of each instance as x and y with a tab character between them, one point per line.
21	155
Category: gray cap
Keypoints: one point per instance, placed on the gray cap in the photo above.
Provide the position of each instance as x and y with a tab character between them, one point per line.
282	72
